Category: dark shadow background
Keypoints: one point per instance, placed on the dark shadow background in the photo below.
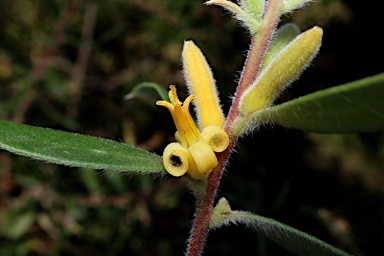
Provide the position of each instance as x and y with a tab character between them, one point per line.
68	64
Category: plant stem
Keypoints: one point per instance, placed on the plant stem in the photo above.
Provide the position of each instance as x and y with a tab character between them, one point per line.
258	47
251	69
204	204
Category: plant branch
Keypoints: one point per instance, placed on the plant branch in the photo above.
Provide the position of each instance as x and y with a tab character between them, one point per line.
204	204
258	47
251	68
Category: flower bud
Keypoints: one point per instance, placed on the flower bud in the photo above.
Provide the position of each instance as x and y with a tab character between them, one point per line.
281	71
201	84
282	37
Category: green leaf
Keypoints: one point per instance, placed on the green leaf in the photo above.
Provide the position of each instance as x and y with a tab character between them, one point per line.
293	240
75	150
353	107
254	7
246	17
291	5
141	91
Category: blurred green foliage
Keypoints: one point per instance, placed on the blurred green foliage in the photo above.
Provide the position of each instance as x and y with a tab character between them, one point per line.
67	64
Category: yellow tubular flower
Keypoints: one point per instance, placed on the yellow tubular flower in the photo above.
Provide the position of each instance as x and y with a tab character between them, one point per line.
185	125
200	81
195	152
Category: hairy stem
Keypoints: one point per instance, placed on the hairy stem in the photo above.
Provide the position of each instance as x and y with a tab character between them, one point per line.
204	205
250	71
258	47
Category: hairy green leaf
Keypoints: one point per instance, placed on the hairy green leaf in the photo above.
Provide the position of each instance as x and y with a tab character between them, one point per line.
353	107
293	240
254	7
246	17
75	150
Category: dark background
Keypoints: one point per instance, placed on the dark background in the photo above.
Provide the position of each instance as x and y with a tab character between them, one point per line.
68	64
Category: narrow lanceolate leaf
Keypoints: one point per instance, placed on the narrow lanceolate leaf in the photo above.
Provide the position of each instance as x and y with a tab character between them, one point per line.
281	71
201	84
246	17
353	107
75	150
293	240
253	7
291	5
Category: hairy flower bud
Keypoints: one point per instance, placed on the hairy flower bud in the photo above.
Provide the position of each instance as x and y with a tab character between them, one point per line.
201	84
281	71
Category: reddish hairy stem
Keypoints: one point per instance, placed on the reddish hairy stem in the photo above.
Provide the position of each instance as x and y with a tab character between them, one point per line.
258	47
251	68
204	205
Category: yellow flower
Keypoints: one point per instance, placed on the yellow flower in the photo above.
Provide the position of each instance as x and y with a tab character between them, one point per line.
194	152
